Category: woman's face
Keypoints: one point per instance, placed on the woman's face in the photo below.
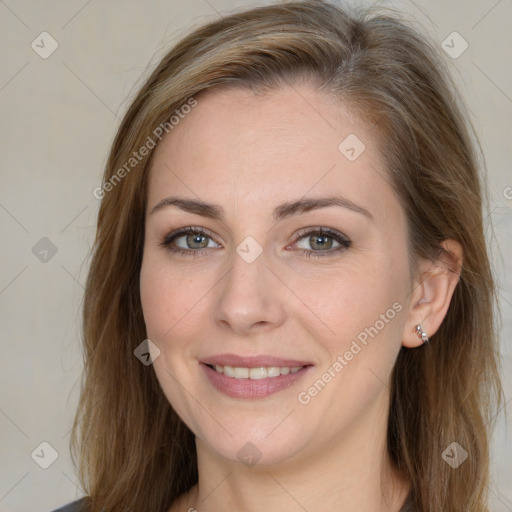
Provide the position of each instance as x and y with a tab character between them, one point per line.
262	291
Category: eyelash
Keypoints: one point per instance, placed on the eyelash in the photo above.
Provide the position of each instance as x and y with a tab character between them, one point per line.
344	241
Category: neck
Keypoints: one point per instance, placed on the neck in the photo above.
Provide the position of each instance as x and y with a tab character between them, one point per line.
352	473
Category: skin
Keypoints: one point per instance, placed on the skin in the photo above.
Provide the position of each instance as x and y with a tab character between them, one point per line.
248	153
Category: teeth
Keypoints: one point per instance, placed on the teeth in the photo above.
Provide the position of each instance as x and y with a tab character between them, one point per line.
228	371
240	373
261	372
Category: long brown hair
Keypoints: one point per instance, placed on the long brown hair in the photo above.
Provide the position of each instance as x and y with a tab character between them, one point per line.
132	451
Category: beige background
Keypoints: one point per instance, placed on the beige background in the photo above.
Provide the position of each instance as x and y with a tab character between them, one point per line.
58	117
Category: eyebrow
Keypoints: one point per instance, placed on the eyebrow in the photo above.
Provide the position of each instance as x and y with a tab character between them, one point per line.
280	212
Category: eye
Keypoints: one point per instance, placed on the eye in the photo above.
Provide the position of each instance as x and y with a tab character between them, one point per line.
321	241
188	241
194	241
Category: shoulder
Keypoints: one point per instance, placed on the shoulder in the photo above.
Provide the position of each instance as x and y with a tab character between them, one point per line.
75	506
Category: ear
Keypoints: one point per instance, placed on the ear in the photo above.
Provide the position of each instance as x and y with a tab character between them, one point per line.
432	291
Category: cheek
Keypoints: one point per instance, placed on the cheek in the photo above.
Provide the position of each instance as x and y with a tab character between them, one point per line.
156	299
167	297
363	309
352	301
166	306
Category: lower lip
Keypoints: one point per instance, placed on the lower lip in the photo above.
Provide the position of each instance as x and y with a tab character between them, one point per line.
252	388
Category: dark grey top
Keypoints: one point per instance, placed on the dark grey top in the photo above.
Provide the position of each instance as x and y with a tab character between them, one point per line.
78	506
409	506
75	506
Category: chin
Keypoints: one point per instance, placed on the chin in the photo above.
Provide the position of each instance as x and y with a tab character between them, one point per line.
250	447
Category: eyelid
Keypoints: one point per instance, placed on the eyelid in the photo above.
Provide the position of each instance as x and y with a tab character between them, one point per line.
166	239
343	240
311	230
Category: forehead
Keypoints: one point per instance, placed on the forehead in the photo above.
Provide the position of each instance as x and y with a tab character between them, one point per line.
254	149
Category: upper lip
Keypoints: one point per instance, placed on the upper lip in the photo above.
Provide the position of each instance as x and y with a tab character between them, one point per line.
252	361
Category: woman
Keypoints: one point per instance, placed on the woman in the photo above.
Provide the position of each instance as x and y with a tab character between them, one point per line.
290	304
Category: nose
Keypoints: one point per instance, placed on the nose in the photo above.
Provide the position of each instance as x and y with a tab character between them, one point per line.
249	298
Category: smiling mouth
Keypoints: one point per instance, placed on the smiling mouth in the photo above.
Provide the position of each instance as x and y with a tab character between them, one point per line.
261	372
253	381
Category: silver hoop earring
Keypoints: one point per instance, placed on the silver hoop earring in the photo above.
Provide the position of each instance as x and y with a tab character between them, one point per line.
421	333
